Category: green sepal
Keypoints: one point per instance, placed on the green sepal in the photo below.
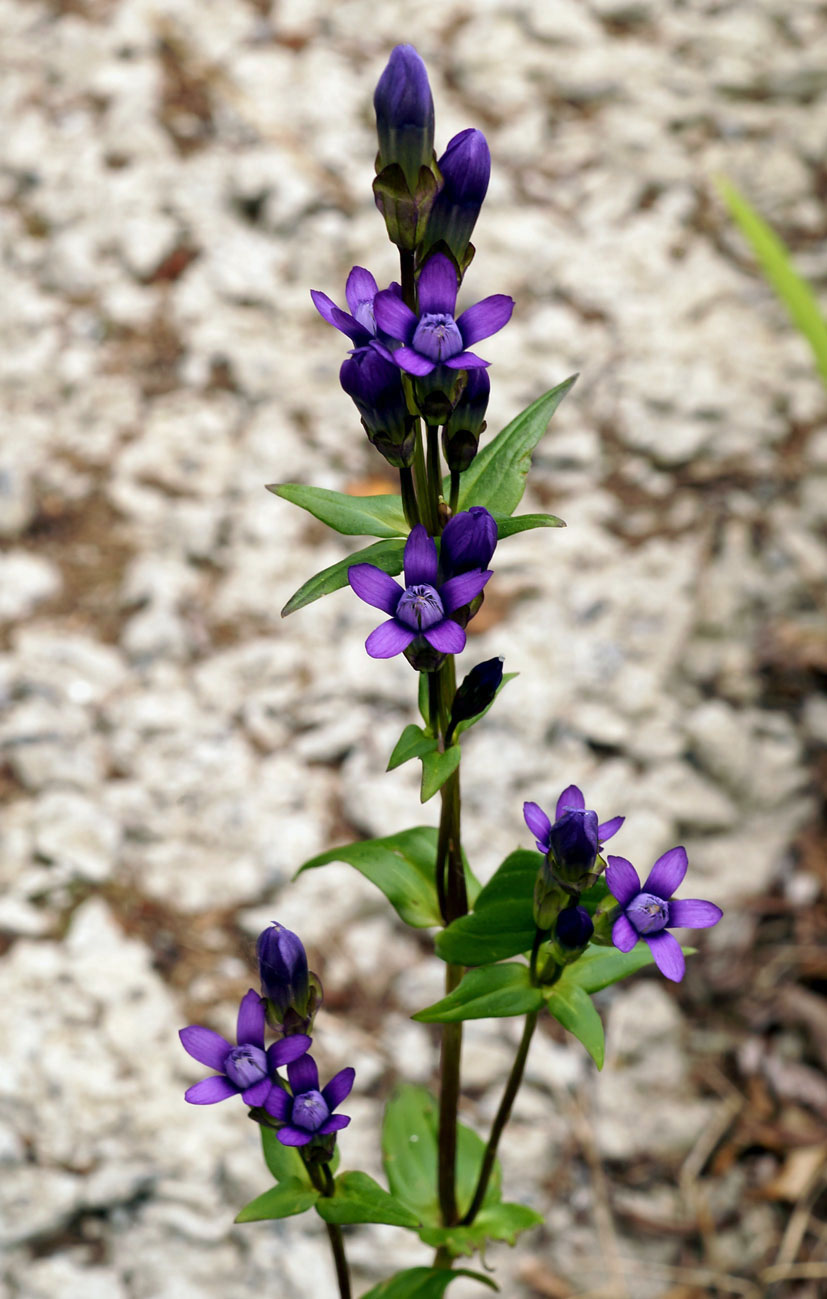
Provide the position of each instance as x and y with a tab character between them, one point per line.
353	516
282	1201
496	476
358	1198
437	767
472	721
387	555
502	922
401	865
487	992
510	525
572	1007
503	1221
424	1283
414	742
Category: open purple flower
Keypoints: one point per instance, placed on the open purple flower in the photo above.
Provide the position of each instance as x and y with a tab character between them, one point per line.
575	838
423	608
647	912
359	321
308	1113
434	337
244	1069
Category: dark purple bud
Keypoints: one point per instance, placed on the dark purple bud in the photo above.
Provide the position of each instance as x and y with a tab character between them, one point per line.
468	542
282	965
405	114
375	386
573	844
476	693
574	927
461	434
466	169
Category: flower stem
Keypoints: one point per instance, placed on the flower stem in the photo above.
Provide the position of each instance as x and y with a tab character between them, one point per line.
409	504
454	490
406	267
502	1117
322	1179
434	471
448	1106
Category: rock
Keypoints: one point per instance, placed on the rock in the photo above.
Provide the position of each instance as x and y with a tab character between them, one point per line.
25	582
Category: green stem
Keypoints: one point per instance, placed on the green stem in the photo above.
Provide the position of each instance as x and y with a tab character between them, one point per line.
434	469
322	1179
454	490
409	505
406	266
535	951
448	1106
502	1117
426	510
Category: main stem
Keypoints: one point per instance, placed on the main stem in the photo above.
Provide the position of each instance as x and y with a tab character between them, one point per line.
322	1179
502	1117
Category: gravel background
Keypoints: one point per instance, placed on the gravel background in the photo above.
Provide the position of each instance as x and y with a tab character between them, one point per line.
174	177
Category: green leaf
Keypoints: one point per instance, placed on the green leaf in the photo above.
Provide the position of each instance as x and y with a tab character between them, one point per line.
575	1010
424	1283
436	768
358	1198
282	1201
412	743
284	1162
422	698
496	1222
496	476
401	865
472	721
599	967
502	922
354	516
386	555
774	259
487	992
508	526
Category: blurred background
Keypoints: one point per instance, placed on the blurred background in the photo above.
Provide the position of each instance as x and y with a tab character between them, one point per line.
175	176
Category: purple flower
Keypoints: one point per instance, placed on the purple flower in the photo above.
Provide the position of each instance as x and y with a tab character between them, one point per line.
574	927
245	1068
375	385
359	321
405	114
435	337
422	609
475	694
468	541
308	1113
647	912
575	838
461	433
282	968
465	167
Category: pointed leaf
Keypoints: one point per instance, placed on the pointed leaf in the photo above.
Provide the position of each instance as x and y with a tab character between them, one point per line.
386	555
284	1162
496	476
424	1283
401	865
495	1222
508	526
487	992
354	516
599	967
502	922
414	742
436	768
358	1198
282	1201
575	1010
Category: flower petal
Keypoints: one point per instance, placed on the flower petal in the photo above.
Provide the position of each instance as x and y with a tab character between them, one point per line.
411	362
388	640
485	318
668	955
250	1025
293	1136
324	305
666	876
258	1093
609	828
420	558
339	1087
447	637
334	1124
461	590
622	879
278	1103
538	823
361	287
624	935
205	1046
338	318
438	286
572	796
287	1049
466	361
210	1090
393	317
303	1075
693	913
374	587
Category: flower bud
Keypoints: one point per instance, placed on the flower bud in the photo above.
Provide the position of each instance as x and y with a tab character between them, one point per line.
285	979
405	115
476	693
468	542
574	927
376	388
461	434
466	168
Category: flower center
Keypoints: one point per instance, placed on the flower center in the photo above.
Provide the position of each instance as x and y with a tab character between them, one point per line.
420	607
648	913
246	1065
365	317
310	1111
437	336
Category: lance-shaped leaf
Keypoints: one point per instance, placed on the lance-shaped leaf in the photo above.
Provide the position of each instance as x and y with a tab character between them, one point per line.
487	992
436	769
509	526
502	1221
386	555
354	516
358	1198
284	1162
496	476
599	967
281	1201
424	1283
572	1007
502	922
414	742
